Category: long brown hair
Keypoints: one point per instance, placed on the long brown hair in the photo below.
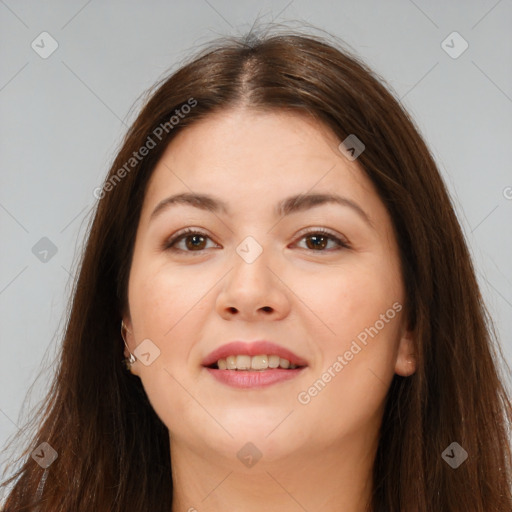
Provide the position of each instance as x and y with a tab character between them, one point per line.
113	450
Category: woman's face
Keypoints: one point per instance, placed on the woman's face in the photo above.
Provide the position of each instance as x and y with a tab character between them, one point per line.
252	271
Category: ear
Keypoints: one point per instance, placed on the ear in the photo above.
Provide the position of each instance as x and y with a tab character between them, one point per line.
128	335
406	360
130	341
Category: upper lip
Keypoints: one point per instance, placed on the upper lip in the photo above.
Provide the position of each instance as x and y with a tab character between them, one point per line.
253	348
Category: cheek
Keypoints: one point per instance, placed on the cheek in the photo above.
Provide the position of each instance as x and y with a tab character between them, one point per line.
161	296
164	306
362	305
349	298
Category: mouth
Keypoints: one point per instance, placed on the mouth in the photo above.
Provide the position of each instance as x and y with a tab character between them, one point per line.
253	365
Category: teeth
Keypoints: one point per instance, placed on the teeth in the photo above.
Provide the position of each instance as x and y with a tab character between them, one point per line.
273	361
243	362
259	362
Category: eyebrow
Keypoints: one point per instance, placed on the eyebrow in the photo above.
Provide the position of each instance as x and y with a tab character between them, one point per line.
285	207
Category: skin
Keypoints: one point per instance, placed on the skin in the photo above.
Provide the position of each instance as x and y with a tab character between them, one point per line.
314	301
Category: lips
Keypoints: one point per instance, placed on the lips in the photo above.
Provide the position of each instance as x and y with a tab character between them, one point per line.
252	349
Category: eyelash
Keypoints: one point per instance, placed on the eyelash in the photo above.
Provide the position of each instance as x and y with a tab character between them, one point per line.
169	244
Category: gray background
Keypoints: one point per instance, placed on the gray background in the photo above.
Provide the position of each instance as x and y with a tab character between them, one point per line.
62	118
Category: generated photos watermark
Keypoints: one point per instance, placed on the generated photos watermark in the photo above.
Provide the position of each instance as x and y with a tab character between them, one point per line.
144	150
305	397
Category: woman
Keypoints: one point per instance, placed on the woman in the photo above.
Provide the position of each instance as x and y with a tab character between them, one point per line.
275	255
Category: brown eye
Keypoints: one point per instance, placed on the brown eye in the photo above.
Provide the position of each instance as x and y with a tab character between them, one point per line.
319	239
195	241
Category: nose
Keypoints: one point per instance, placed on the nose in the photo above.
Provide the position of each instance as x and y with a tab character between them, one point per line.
253	291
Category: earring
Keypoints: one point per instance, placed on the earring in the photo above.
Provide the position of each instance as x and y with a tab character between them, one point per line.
127	362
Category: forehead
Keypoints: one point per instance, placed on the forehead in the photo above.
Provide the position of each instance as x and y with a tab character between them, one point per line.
249	158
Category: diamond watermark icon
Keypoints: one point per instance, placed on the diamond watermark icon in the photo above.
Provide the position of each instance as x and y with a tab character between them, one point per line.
454	45
146	352
44	45
44	250
351	147
249	249
249	455
454	455
44	455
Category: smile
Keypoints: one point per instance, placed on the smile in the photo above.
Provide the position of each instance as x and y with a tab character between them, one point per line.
253	365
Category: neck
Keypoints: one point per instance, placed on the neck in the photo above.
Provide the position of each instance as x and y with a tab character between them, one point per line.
337	478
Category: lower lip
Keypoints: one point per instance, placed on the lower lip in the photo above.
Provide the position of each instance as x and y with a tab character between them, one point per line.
253	379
